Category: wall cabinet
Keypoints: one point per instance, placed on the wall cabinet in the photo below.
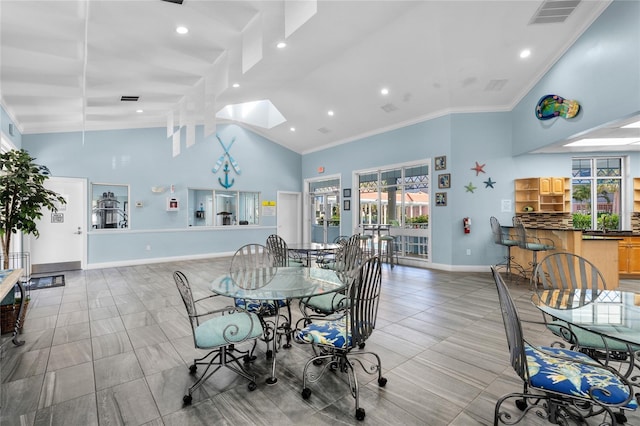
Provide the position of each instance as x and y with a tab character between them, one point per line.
629	256
543	194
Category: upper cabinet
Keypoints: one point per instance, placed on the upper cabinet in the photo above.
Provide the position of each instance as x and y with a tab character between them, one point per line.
543	194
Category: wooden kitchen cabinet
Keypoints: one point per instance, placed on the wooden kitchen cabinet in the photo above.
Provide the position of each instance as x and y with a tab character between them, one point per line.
543	194
629	256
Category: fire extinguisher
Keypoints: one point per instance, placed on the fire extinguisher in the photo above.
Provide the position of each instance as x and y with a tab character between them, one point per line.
466	223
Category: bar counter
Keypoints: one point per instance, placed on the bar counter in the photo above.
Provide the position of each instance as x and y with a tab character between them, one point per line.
601	249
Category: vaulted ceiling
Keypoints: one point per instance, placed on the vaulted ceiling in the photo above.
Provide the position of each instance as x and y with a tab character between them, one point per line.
65	65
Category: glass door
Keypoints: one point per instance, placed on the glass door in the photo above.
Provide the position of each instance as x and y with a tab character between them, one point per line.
325	210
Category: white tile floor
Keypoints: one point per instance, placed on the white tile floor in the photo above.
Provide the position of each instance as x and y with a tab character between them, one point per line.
112	348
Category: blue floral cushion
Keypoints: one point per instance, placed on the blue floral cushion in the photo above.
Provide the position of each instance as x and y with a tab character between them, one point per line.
225	329
260	307
328	333
572	378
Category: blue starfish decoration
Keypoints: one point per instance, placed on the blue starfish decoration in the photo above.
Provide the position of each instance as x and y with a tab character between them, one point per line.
488	183
470	187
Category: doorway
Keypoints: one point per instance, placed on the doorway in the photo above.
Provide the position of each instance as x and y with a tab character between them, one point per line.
62	243
289	216
323	210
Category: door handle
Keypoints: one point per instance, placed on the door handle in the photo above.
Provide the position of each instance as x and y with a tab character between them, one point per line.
79	231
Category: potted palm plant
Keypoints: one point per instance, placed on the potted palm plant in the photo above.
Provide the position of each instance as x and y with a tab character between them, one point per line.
22	197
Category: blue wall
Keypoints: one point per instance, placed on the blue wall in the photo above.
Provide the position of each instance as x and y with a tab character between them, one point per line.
142	158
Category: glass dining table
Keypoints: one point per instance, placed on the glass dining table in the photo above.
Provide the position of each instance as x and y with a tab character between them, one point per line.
611	314
277	284
313	249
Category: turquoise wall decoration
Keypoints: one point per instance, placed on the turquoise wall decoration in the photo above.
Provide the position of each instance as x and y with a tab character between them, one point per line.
225	169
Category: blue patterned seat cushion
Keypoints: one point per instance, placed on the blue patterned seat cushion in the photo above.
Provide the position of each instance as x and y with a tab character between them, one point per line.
225	329
327	303
572	378
260	307
328	333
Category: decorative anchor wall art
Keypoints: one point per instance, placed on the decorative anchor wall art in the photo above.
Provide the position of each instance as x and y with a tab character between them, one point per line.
229	159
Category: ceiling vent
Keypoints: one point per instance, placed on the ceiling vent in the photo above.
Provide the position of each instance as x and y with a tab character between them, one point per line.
554	11
130	98
389	107
174	1
324	130
495	85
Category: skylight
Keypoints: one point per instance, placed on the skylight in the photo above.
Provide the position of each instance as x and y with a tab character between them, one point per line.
603	142
257	113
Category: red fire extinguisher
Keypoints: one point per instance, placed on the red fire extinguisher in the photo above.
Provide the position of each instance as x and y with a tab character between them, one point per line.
466	223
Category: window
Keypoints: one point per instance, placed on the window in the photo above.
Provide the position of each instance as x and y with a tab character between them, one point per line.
208	207
596	192
109	206
398	196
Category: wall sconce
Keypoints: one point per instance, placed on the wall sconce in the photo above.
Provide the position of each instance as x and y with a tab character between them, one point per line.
158	189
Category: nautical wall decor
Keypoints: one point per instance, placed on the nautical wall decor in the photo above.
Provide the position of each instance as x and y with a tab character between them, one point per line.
550	106
225	159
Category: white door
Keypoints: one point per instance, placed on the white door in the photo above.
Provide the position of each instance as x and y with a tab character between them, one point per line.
289	216
62	242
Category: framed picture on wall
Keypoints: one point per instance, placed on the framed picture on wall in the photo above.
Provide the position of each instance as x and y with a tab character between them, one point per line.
444	180
441	198
346	193
441	163
346	205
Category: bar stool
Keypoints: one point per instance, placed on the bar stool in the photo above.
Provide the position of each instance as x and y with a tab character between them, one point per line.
533	244
501	237
366	244
387	249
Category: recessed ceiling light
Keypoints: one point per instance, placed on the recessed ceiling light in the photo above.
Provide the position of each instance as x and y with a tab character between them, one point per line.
139	111
525	53
182	30
384	91
293	129
330	112
236	85
603	142
281	45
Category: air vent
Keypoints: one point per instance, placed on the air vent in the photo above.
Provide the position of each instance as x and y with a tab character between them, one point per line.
495	85
389	107
554	11
174	1
130	98
324	130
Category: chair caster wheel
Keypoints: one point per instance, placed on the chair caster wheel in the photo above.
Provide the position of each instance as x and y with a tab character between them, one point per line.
361	345
620	418
248	358
192	369
187	399
382	381
521	404
317	362
360	414
269	354
306	393
252	386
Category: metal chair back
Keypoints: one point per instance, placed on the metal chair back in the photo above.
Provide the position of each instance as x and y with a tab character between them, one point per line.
279	249
567	271
498	234
521	232
187	298
512	328
364	295
252	266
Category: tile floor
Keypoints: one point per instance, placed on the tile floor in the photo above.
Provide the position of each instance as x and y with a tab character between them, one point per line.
112	348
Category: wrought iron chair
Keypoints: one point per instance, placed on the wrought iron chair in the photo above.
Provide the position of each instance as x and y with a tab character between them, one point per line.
531	243
323	259
560	385
567	271
348	259
502	238
336	338
218	331
246	260
280	251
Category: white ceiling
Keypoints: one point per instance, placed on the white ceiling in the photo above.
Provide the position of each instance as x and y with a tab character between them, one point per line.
66	64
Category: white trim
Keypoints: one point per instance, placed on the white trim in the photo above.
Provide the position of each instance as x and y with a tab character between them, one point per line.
146	261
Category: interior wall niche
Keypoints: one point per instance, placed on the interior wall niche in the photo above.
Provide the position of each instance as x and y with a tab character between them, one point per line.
109	206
